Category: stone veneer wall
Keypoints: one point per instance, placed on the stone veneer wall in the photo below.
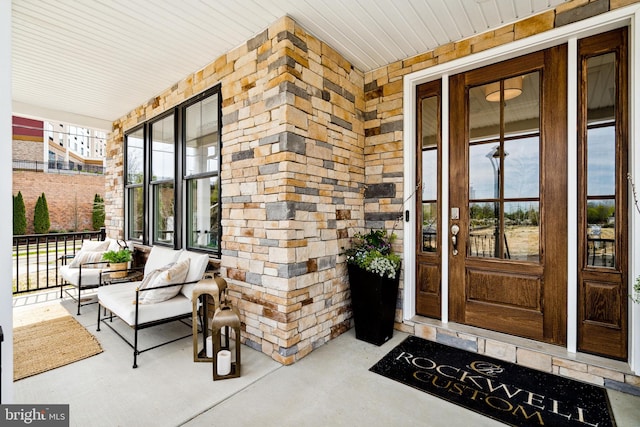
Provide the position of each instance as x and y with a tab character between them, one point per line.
292	182
316	148
383	93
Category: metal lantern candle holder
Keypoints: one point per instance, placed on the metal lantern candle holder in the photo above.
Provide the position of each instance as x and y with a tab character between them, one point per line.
205	291
226	317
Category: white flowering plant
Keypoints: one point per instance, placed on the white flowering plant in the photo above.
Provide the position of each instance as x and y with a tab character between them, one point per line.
373	252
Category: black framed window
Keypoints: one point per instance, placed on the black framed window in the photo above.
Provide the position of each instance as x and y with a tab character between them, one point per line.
201	172
163	165
172	172
134	184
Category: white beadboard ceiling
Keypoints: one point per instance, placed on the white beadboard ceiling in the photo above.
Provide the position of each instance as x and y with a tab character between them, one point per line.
90	62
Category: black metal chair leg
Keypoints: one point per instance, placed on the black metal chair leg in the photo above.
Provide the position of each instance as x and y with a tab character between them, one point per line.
135	348
98	329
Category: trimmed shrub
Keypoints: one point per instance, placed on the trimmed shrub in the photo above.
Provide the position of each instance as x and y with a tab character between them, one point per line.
19	215
97	215
41	223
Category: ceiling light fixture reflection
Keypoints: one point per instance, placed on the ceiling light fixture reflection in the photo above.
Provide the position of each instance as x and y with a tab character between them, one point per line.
512	89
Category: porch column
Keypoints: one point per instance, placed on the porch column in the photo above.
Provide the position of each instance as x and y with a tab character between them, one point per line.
6	227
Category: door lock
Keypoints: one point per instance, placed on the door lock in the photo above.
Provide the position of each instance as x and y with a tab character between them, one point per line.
455	229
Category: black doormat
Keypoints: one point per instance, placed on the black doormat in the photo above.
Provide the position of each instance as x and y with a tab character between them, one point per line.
509	393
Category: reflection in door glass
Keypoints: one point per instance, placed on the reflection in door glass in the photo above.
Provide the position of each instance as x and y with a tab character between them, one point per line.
504	169
601	247
429	227
429	159
484	238
522	231
601	161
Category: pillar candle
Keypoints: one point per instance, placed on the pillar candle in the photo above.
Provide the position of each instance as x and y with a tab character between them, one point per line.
224	362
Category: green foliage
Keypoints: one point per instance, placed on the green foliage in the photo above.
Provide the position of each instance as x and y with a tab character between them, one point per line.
19	215
598	213
121	255
97	215
373	252
41	222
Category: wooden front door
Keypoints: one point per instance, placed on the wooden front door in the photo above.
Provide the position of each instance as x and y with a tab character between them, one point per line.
508	189
508	216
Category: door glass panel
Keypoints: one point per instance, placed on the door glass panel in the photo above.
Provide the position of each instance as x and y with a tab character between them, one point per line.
483	171
522	231
601	161
504	169
484	115
429	159
429	227
601	233
522	168
485	232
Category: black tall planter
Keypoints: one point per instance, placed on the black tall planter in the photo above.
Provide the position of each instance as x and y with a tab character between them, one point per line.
373	300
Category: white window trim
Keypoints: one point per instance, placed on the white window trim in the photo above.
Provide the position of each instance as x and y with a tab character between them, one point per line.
627	16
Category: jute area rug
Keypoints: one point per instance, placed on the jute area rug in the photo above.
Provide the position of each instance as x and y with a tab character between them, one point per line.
47	338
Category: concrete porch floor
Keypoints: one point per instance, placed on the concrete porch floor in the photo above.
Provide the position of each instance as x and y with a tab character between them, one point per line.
330	387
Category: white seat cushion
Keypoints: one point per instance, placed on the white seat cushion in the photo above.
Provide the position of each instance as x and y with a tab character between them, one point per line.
120	299
159	257
198	266
90	276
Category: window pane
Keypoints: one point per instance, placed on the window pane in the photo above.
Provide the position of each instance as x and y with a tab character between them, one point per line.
163	148
430	133
522	168
484	170
136	212
522	231
429	227
601	233
430	175
601	161
163	224
522	112
484	115
484	229
202	229
135	157
201	129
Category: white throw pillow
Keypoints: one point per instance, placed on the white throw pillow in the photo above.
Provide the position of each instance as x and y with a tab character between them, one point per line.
174	274
159	257
87	256
198	266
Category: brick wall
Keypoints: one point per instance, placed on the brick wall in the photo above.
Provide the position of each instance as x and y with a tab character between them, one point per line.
69	197
27	149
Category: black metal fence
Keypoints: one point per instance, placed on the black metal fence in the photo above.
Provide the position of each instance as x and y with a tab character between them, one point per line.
57	167
35	257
